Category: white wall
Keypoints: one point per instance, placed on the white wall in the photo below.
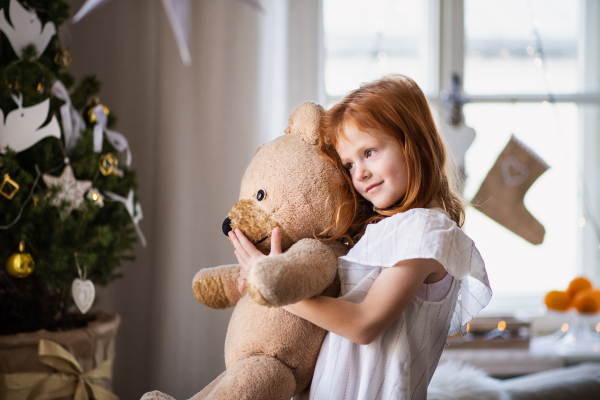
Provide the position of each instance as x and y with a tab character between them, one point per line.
192	132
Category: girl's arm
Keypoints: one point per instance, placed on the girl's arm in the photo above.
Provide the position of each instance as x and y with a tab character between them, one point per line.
362	323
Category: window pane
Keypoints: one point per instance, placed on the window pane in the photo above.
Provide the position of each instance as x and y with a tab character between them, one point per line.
367	39
502	54
514	265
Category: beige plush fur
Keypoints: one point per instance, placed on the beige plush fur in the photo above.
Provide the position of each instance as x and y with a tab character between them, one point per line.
270	354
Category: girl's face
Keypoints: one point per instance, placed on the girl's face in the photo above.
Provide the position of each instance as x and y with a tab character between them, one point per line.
376	164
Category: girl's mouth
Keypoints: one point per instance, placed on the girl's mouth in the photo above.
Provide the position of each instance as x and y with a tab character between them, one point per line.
373	186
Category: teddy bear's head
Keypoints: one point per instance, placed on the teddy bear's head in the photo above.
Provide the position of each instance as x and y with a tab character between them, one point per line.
288	185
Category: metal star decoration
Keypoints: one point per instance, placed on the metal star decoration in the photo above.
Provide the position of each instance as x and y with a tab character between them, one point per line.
71	190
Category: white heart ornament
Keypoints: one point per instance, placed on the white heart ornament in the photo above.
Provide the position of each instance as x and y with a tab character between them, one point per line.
514	172
83	294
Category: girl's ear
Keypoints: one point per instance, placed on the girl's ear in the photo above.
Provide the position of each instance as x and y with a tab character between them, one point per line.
306	121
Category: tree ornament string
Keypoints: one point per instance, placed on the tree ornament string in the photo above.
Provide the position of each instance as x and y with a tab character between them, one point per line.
35	182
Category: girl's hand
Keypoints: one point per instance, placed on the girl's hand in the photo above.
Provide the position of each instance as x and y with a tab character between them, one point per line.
247	254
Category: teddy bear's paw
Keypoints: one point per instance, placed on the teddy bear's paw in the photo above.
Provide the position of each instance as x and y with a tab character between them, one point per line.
156	395
255	295
209	290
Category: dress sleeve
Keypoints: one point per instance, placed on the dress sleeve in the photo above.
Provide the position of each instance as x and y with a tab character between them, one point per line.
429	233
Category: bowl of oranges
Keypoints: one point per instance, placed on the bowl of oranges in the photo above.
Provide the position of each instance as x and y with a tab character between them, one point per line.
580	296
578	309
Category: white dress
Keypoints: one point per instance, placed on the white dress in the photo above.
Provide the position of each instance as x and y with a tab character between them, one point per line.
400	364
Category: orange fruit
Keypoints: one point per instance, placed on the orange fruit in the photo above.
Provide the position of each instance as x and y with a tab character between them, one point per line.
578	284
587	301
557	300
596	294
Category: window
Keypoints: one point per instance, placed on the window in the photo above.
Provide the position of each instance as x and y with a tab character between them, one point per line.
529	68
503	39
365	40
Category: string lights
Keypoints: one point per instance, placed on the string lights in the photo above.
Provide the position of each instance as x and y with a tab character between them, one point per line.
540	61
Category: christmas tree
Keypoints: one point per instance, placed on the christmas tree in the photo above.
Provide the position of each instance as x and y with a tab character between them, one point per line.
67	205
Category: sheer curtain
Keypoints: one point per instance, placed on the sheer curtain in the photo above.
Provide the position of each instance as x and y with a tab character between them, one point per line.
193	131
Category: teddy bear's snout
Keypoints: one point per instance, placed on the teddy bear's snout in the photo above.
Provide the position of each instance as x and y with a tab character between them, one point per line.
226	226
256	224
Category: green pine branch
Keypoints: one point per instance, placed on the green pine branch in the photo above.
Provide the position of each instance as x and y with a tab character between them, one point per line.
102	237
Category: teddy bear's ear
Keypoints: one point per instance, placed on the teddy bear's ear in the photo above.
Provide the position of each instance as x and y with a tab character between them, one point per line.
305	121
257	150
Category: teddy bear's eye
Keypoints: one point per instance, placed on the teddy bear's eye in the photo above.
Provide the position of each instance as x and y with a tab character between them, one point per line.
260	196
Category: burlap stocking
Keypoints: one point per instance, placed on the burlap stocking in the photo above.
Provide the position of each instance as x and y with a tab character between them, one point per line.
500	196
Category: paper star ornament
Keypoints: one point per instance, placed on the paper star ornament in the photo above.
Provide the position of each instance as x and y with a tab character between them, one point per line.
178	12
134	210
459	139
71	190
26	29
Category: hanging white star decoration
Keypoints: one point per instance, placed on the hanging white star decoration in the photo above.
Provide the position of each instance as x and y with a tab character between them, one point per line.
70	190
178	13
134	210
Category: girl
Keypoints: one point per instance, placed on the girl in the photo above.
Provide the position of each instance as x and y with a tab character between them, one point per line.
413	277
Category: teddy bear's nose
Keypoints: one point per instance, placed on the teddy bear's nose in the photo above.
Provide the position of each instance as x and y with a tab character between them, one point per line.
226	226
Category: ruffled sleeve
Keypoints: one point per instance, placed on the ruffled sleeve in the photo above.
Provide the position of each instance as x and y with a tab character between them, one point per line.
429	233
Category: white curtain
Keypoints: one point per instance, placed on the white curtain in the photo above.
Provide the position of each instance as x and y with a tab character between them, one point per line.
193	130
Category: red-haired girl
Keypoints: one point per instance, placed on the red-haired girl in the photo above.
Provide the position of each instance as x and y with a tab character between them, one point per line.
413	277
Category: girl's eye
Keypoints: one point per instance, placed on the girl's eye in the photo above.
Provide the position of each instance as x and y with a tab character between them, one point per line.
260	196
369	153
349	166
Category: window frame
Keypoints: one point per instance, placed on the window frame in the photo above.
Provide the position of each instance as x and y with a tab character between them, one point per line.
446	43
452	63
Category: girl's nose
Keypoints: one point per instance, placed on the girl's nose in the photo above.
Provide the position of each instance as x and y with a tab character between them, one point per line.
363	173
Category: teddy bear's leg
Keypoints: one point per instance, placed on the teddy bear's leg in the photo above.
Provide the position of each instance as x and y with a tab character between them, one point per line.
205	393
254	378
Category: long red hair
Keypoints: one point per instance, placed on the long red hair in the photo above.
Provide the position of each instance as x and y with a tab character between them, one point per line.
396	106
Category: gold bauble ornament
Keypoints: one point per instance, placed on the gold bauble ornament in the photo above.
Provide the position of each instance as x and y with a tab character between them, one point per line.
107	164
20	265
63	58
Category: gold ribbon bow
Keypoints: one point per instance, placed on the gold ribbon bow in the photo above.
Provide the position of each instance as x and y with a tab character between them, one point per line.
70	380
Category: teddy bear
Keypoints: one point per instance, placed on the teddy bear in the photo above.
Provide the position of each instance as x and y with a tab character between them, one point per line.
270	354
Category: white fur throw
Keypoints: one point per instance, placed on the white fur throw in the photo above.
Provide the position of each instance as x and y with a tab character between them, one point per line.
454	380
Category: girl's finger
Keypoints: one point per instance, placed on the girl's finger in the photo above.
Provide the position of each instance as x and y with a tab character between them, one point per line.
243	262
238	246
242	281
234	240
243	271
275	241
246	244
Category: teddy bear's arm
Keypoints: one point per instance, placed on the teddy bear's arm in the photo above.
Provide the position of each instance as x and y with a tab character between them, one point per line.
304	271
217	287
